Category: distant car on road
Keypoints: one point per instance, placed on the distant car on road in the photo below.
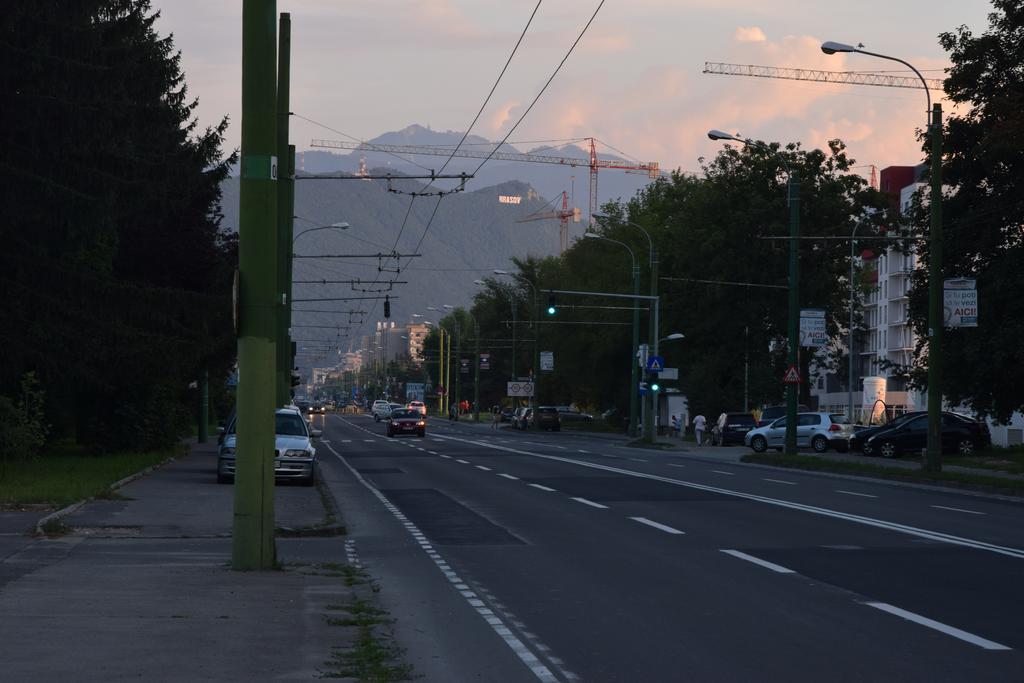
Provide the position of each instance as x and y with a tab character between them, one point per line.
417	405
381	409
295	456
567	414
820	431
961	434
507	414
521	420
407	421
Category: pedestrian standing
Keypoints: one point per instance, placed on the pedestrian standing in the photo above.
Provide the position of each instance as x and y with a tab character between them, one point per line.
495	416
700	423
675	426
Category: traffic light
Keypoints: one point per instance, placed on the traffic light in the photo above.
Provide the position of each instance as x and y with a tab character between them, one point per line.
652	382
387	307
552	308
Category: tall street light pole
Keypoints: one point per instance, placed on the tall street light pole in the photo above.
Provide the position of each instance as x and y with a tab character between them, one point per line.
512	304
793	186
933	456
652	256
285	210
634	381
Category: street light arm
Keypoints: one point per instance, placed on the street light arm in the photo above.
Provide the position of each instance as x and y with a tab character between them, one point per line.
339	226
830	48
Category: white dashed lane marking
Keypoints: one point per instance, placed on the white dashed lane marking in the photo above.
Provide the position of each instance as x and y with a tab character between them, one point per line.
485	469
508	476
542	488
731	474
591	503
854	493
758	561
938	626
781	481
662	527
464	462
970	512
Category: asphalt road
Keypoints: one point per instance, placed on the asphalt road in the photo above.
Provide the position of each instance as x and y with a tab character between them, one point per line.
522	556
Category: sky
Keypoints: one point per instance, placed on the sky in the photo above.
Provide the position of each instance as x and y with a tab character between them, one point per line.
365	67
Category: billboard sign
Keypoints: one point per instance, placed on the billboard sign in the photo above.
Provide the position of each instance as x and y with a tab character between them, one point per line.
960	302
813	330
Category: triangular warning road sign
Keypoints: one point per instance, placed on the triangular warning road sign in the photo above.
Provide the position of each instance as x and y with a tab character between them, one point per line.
792	375
655	365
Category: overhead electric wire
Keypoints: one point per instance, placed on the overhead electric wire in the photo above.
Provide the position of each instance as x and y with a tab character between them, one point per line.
352	137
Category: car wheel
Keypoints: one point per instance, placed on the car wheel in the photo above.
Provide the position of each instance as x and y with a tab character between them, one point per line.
376	418
887	449
819	444
866	449
965	447
759	444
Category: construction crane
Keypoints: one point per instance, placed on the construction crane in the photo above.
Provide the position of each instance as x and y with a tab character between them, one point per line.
593	163
562	216
845	77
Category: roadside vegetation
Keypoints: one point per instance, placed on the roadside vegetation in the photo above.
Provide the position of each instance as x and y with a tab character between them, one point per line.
945	477
66	473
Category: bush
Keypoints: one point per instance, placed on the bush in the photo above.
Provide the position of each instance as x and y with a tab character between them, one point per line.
23	430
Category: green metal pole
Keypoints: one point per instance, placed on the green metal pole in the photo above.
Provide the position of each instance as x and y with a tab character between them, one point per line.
634	385
289	198
476	376
933	458
204	405
650	399
458	368
794	307
253	535
284	213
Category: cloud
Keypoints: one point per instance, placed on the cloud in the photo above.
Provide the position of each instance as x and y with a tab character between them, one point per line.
749	34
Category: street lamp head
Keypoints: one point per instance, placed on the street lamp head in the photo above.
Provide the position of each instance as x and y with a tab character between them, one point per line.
341	225
431	308
830	47
719	135
592	235
501	272
449	307
674	336
479	282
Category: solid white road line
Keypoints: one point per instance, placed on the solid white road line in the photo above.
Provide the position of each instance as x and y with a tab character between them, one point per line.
485	469
591	503
917	532
508	476
537	667
938	626
854	493
731	474
781	481
758	561
970	512
542	488
662	527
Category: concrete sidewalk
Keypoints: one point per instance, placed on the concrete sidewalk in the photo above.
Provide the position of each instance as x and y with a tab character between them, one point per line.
141	588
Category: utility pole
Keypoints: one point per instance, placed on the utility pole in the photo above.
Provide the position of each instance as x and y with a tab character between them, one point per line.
285	191
794	307
440	372
651	400
204	405
253	527
933	458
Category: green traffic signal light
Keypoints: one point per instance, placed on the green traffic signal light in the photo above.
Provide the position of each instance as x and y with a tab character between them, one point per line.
551	310
654	386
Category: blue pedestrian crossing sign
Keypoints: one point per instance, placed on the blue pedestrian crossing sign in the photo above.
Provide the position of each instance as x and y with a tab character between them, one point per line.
655	363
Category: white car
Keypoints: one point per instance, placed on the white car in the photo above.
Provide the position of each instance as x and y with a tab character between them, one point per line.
381	410
417	405
820	431
295	456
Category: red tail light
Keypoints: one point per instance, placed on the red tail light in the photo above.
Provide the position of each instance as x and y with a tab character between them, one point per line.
834	428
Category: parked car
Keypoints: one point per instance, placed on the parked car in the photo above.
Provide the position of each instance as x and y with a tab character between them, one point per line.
406	421
961	434
295	456
521	420
567	414
820	431
859	438
775	412
507	414
732	427
417	405
547	417
381	409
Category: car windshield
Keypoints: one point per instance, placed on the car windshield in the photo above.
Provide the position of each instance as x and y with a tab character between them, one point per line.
404	413
289	424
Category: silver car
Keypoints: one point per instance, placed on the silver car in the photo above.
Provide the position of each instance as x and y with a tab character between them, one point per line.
819	431
294	454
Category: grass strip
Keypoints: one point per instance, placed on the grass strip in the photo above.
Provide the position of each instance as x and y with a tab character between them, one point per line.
946	478
63	478
373	656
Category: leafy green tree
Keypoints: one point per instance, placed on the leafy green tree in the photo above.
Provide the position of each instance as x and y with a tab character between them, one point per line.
115	274
983	215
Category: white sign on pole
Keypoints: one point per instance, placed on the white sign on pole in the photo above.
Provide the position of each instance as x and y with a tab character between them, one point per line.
669	373
641	355
813	330
520	389
547	360
960	302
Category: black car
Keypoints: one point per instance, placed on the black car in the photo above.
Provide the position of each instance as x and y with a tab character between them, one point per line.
858	442
960	434
546	417
732	427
